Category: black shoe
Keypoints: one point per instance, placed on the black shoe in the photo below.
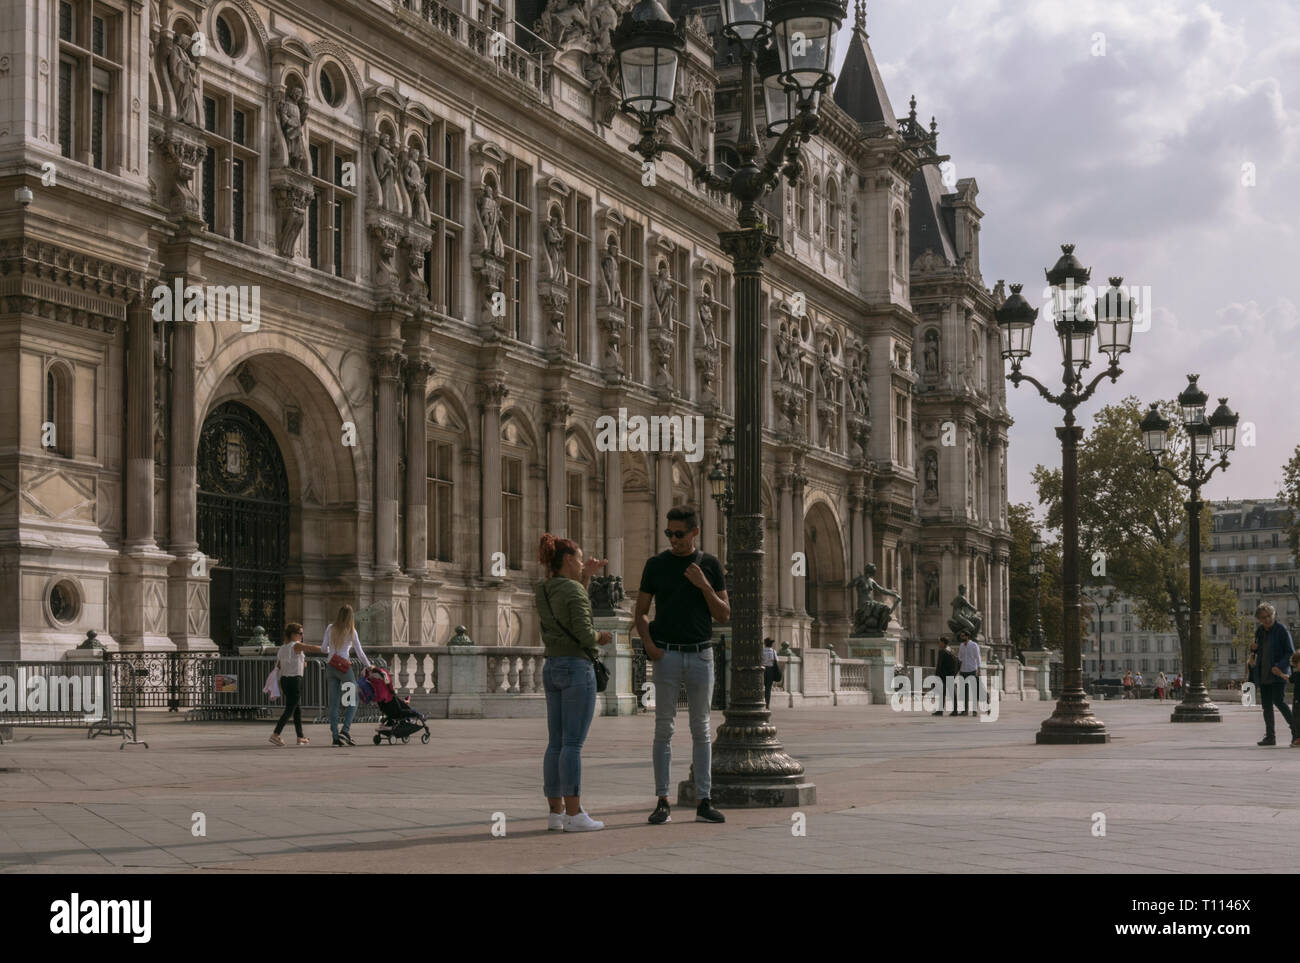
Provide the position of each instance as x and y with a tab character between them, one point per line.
939	713
954	713
705	813
661	815
338	741
1267	741
346	738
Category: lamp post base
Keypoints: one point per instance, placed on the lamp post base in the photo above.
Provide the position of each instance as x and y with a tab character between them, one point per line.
750	768
1195	709
1072	724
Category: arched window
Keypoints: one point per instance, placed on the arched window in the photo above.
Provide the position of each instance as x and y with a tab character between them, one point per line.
56	423
899	255
832	214
446	438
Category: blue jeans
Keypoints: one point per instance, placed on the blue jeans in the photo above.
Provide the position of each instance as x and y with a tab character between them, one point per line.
334	679
570	686
696	668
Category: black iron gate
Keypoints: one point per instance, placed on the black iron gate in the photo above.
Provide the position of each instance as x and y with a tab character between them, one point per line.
243	523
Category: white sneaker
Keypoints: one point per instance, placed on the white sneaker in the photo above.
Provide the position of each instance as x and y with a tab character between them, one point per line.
557	821
582	823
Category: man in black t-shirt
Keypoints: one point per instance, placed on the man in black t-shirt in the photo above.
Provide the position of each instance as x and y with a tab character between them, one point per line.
690	595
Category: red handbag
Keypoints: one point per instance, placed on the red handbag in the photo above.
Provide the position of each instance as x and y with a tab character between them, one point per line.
342	663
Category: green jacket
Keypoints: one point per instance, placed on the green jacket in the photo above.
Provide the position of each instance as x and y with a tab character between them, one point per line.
571	608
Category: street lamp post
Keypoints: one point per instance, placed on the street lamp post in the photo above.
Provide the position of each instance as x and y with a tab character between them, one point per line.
750	767
1073	721
1219	433
722	481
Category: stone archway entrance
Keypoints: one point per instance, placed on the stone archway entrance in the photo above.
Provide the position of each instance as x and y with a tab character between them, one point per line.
243	523
825	596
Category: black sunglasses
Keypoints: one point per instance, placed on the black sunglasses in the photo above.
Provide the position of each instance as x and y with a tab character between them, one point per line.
671	534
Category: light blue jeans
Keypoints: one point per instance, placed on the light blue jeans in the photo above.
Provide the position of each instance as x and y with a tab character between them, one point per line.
570	686
335	680
697	669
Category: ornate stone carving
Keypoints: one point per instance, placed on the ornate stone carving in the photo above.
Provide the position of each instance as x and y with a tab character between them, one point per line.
292	193
413	179
872	617
385	233
383	170
611	290
291	108
605	592
183	78
183	149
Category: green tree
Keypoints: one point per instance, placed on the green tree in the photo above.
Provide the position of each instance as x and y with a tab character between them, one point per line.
1133	523
1290	494
1051	595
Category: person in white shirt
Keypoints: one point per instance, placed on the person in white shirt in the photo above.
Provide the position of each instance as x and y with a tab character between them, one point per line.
968	655
770	669
291	662
1162	684
341	639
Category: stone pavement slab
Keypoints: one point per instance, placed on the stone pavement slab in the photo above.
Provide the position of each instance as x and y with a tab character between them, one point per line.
896	793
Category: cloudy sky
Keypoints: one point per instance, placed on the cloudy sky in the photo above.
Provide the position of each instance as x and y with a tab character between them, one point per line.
1137	158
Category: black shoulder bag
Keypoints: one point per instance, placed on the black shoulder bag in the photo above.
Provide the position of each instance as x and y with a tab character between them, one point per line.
602	673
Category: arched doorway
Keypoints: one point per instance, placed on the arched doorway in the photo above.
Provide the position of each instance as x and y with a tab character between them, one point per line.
243	523
825	584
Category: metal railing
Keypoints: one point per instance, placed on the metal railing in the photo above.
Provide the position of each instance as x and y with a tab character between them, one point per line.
529	67
66	695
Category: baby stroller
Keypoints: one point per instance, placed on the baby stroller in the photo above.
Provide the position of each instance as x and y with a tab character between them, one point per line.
400	720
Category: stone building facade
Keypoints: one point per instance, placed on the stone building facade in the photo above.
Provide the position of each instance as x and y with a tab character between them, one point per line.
301	309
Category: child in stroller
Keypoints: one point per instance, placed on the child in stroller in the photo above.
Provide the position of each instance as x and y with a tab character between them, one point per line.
400	720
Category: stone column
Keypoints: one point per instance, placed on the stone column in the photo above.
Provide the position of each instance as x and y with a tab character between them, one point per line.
857	559
785	540
798	481
614	517
868	531
994	618
492	392
557	418
663	495
139	429
418	373
388	372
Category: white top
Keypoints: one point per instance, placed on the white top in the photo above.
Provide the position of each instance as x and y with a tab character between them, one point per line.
769	655
969	653
290	662
344	648
1161	680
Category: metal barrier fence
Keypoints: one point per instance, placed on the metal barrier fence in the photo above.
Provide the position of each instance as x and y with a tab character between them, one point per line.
63	695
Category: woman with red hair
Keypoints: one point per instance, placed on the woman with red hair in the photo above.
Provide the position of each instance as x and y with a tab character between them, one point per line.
568	677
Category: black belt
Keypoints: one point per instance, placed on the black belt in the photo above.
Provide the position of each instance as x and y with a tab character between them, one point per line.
684	646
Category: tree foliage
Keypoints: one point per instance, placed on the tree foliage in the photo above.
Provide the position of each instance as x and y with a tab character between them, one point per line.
1051	595
1290	494
1133	523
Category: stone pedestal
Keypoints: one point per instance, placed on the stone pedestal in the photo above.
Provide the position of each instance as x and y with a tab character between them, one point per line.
466	670
394	592
618	699
189	603
1041	661
881	657
141	614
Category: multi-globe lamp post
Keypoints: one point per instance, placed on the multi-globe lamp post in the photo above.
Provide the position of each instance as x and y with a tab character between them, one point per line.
1218	434
1075	323
750	767
722	484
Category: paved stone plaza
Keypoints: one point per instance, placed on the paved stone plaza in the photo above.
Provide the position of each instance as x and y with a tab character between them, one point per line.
896	792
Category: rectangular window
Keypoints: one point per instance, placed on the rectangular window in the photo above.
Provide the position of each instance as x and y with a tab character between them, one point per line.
67	75
632	280
210	115
512	510
330	212
237	200
313	230
65	22
340	232
577	231
902	421
237	128
440	494
97	35
516	220
573	507
210	189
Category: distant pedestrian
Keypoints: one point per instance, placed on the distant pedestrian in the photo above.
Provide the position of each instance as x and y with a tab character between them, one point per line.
1178	685
771	670
946	668
340	639
1270	668
1128	685
568	677
1162	683
1137	686
291	662
968	655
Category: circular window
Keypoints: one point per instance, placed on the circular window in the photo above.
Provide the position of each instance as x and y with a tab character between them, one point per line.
230	34
65	603
332	86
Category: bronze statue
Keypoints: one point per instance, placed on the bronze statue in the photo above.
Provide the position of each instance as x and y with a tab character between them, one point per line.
965	617
872	616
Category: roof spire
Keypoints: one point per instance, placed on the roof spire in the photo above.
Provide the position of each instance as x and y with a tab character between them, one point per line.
860	15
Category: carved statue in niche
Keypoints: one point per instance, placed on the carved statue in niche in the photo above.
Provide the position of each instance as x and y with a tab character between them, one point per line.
665	296
291	203
827	377
931	352
970	480
931	588
184	75
489	221
788	354
562	20
413	178
292	115
611	290
931	474
704	309
555	244
414	270
384	169
860	390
